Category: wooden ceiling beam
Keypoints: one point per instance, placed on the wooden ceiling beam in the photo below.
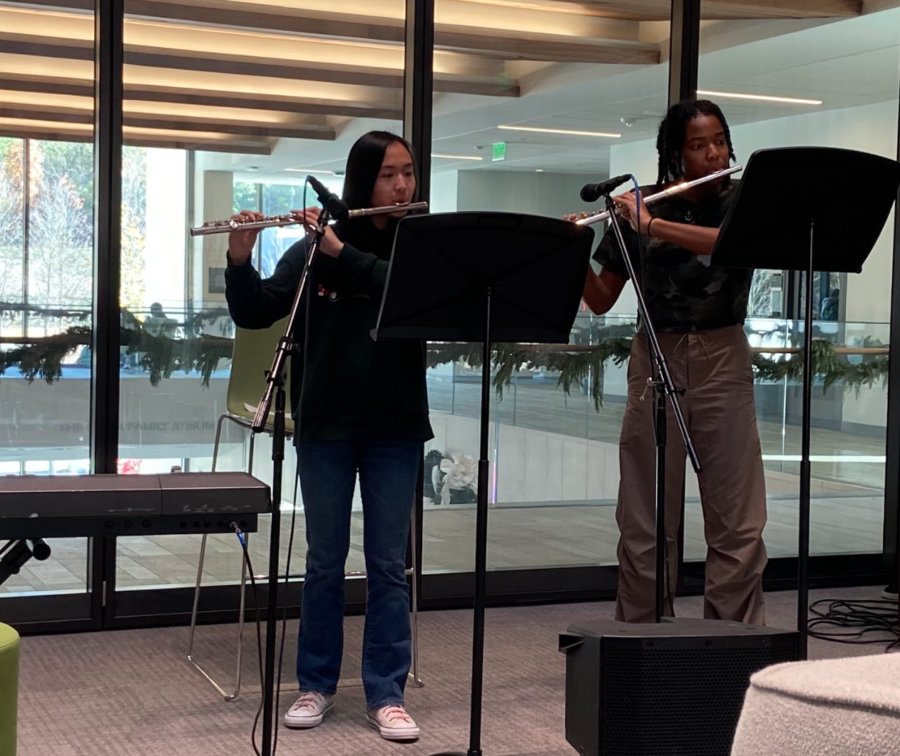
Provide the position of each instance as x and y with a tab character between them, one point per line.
507	44
660	10
167	141
751	9
515	44
246	65
546	47
360	26
207	98
83	116
471	40
263	101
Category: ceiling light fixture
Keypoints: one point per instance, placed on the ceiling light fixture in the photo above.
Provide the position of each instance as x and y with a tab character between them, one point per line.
567	132
455	157
308	170
764	98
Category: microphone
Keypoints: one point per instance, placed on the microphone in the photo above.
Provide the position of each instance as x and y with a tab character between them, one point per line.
593	192
330	201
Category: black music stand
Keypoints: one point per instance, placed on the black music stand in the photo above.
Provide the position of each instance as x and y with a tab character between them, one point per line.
832	228
484	277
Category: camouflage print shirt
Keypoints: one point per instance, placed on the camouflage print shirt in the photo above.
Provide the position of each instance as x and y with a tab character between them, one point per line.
683	291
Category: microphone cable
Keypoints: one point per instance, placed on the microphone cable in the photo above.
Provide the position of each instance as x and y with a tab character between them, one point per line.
287	575
854	621
259	645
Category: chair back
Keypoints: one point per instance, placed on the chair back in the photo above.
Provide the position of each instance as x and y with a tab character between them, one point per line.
251	357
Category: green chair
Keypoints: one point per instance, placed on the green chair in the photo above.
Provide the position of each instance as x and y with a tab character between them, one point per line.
9	688
251	357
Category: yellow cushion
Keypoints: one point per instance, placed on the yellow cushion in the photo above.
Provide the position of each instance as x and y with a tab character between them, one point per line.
9	688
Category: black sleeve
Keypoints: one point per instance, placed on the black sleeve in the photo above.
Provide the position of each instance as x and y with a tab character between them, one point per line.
257	303
354	271
608	253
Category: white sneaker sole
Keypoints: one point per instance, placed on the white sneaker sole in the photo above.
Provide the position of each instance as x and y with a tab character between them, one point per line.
304	723
389	733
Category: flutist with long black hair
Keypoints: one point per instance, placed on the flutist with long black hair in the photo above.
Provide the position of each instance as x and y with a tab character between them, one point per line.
360	407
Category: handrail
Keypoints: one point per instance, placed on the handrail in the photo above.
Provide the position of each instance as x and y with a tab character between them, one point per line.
754	349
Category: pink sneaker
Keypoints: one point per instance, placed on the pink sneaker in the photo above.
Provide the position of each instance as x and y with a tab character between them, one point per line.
393	723
309	710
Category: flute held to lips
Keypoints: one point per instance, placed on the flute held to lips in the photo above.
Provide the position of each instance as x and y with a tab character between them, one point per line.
603	215
292	219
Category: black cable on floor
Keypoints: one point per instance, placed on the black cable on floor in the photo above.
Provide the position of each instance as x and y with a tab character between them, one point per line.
259	644
853	621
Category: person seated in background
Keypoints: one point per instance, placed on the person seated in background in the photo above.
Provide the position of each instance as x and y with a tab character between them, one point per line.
158	323
831	305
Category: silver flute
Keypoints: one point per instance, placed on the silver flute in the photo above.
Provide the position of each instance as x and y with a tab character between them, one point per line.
292	219
603	215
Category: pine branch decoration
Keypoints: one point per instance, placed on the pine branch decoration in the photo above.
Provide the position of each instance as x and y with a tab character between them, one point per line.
160	356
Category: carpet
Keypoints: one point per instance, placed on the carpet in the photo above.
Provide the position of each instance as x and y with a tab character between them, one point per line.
132	691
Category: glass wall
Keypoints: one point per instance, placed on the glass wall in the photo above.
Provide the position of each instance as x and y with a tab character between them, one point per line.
580	87
46	252
780	82
221	119
783	84
531	101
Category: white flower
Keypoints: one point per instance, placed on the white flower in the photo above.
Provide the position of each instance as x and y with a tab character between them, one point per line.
461	472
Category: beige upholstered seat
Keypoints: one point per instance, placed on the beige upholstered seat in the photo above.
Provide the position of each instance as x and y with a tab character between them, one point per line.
836	707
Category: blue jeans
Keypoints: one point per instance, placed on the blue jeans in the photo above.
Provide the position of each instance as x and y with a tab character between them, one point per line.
387	478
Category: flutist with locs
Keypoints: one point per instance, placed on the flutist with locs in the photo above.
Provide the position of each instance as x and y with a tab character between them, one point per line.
698	311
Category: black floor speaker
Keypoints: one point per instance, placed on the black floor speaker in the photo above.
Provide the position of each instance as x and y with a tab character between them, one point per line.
676	687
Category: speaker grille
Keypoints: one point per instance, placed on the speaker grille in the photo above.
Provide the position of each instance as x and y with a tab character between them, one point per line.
669	701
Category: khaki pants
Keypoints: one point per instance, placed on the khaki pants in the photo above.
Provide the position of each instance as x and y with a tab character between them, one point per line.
714	367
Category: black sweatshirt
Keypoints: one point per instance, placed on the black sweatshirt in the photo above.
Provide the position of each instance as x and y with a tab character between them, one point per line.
356	389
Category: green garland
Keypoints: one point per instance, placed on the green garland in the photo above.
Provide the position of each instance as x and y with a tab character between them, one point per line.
161	356
43	358
614	343
574	368
831	367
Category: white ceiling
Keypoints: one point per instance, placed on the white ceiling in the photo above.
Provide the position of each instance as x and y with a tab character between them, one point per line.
844	63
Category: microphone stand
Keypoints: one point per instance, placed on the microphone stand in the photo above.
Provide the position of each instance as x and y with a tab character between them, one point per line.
275	386
663	387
